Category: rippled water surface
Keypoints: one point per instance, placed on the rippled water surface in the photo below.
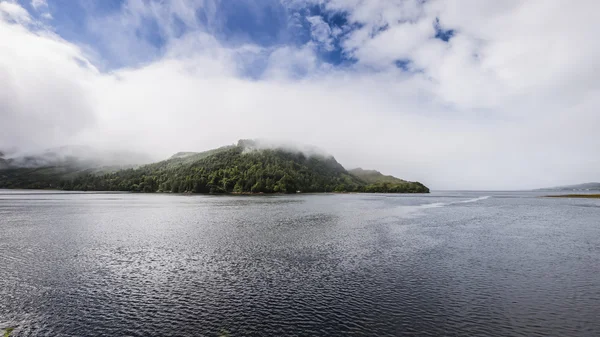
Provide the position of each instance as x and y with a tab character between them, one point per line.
445	264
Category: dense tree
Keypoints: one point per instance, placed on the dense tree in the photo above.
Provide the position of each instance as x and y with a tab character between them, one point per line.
233	169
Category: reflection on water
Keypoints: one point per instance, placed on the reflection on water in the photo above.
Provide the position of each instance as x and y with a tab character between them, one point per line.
452	264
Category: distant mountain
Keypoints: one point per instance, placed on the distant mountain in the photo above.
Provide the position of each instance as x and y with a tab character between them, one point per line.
578	187
48	169
248	167
3	162
75	156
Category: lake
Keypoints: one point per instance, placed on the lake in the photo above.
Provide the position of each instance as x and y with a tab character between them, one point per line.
443	264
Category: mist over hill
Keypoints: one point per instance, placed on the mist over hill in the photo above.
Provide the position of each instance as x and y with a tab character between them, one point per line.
250	166
79	156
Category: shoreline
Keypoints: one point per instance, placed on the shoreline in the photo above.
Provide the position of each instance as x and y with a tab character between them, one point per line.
581	196
51	190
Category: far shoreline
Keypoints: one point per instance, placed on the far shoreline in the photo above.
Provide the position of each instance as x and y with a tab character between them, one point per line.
583	196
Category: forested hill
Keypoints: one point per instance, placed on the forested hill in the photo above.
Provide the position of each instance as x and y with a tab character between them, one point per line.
241	168
373	176
377	182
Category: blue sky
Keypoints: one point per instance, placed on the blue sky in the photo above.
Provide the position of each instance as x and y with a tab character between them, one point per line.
265	23
479	94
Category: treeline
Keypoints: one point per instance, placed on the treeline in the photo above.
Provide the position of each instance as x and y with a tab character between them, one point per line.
230	170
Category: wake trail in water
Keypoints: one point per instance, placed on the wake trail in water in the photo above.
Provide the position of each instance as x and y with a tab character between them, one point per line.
471	200
442	204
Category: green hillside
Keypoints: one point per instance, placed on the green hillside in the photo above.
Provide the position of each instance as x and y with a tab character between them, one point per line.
377	182
243	168
373	176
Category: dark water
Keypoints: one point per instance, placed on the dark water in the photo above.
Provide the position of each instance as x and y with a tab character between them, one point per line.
445	264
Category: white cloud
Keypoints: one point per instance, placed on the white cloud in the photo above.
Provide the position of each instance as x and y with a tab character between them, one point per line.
42	7
44	87
37	4
397	42
12	12
321	32
509	102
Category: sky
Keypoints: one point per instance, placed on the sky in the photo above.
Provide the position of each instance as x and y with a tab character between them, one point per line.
469	94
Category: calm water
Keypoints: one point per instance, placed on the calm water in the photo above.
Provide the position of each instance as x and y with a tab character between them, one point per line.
445	264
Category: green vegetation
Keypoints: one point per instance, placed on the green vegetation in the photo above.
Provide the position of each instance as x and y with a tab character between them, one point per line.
8	331
372	176
590	196
379	183
231	169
